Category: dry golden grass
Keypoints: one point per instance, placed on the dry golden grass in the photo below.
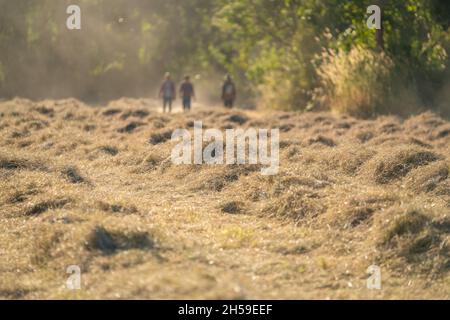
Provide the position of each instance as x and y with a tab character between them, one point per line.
95	187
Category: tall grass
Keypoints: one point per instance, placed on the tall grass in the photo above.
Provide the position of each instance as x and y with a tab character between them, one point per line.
358	82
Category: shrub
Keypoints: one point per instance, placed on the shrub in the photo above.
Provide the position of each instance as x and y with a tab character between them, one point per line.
357	82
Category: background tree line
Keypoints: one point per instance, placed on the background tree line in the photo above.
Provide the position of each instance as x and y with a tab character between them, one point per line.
286	54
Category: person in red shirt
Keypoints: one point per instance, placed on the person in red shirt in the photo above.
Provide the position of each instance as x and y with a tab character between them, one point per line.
187	92
167	92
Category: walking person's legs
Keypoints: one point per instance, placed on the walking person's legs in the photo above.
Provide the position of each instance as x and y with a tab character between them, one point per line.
168	104
186	104
164	105
228	103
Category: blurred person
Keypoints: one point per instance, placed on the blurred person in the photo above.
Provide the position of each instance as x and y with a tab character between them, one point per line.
167	92
228	92
187	93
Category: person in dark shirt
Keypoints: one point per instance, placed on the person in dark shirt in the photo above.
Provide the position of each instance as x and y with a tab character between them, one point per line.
187	92
228	92
167	92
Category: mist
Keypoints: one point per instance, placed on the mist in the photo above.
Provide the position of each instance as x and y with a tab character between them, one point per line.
122	49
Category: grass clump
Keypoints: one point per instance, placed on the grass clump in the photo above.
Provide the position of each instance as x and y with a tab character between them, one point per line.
109	242
160	137
238	118
355	82
109	150
216	179
131	127
388	167
111	112
116	208
429	178
296	204
232	207
14	163
46	205
323	141
72	175
418	236
410	223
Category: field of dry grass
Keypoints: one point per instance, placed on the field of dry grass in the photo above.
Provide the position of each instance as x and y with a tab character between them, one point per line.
95	187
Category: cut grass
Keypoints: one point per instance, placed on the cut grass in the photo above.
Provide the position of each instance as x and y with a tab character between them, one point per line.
350	193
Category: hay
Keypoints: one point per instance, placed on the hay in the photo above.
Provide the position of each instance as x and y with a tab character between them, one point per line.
349	193
390	166
109	242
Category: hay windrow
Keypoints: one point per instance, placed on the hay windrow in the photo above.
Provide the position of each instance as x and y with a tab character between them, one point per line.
417	236
108	242
395	164
429	178
349	193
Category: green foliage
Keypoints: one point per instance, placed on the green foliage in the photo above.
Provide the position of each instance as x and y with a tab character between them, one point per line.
268	45
123	48
276	50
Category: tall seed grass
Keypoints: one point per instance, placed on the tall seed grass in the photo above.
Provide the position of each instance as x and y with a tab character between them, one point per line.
357	82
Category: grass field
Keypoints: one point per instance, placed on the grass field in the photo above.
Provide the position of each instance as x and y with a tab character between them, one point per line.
95	187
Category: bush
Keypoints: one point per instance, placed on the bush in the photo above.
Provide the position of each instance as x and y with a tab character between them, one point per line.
357	82
288	91
278	91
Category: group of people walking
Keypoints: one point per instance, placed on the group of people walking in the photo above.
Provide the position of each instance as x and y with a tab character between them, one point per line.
168	93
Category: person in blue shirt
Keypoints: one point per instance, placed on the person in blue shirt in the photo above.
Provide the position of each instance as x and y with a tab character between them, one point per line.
187	93
167	92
